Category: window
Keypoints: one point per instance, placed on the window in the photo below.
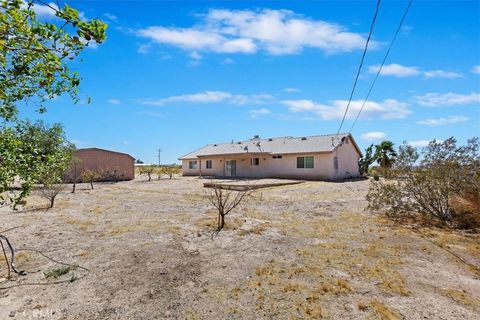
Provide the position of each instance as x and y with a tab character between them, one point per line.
305	162
277	157
335	163
208	164
192	164
255	161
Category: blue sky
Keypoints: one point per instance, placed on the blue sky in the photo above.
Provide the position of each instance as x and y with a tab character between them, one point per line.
178	75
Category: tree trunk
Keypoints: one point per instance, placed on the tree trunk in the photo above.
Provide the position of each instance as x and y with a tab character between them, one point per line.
221	222
73	188
52	202
91	184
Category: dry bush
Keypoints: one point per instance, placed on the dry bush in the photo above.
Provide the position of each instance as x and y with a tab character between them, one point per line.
466	211
88	176
50	192
225	200
446	173
169	171
148	171
111	175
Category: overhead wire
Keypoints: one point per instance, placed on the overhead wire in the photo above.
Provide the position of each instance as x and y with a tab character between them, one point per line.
383	63
360	65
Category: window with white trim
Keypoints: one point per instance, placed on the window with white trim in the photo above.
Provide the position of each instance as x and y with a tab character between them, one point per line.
255	161
192	164
208	164
305	162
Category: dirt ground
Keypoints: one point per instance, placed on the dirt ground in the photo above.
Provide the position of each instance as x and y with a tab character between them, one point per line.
146	250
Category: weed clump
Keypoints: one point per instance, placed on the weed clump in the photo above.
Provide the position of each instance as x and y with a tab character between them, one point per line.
56	273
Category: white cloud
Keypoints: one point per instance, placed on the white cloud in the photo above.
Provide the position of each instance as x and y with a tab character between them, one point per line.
212	97
151	114
442	74
258	112
48	10
228	61
291	90
476	69
443	121
189	39
374	136
447	99
420	143
276	32
114	101
144	48
45	11
386	109
395	70
110	16
195	55
399	71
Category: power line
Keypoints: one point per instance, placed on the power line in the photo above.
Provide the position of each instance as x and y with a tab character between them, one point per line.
383	62
360	66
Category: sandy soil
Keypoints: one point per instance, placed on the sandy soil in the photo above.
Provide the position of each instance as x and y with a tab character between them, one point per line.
292	252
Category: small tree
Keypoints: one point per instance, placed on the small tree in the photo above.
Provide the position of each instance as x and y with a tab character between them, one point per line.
385	155
148	170
170	171
74	174
366	161
446	174
50	191
89	176
34	55
225	200
113	174
31	153
407	158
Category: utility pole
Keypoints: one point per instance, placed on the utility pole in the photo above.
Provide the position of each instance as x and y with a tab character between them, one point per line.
159	156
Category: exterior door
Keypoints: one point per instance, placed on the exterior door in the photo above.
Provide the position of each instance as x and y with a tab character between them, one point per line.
231	168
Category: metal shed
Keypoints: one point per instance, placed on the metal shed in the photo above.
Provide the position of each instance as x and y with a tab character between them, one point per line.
109	165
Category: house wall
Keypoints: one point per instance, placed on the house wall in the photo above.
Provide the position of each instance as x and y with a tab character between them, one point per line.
105	161
348	157
286	167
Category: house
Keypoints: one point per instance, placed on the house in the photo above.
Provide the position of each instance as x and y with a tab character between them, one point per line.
323	157
108	165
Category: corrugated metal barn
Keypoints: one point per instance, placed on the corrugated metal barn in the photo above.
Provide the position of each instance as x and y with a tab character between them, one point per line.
108	165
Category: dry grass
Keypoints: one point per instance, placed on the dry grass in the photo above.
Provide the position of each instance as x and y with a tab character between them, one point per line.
462	297
82	224
295	252
384	312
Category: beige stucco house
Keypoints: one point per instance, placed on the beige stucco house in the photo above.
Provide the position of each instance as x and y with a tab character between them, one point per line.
323	157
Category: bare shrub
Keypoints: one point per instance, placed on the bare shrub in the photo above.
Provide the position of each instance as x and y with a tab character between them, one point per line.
225	200
89	176
466	211
74	174
112	175
445	173
50	192
169	171
147	170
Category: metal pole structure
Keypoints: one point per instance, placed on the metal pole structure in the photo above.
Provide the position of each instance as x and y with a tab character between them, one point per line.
159	156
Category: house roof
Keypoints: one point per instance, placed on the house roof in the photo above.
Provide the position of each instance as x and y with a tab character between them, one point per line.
281	145
104	150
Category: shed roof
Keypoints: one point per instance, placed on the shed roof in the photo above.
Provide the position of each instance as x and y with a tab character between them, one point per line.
280	145
104	150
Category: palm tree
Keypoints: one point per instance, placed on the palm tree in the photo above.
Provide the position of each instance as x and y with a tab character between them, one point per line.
385	154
